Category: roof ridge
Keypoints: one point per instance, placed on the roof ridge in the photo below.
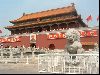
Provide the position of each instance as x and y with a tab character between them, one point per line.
47	10
43	12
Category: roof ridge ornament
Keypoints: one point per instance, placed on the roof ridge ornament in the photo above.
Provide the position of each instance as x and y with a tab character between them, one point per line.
73	4
24	14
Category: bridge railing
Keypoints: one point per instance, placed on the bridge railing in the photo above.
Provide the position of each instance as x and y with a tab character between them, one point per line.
69	64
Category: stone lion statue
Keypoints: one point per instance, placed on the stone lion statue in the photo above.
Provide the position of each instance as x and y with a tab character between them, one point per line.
75	47
73	42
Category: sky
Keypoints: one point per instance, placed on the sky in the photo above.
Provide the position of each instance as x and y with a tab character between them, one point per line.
14	9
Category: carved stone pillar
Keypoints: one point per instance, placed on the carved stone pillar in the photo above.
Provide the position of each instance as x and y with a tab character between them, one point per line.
1	54
57	25
11	54
22	55
50	26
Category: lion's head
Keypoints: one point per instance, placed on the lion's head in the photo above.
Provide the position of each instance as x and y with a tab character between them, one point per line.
72	35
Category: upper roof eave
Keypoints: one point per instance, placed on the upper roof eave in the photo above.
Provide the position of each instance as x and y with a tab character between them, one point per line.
51	12
10	27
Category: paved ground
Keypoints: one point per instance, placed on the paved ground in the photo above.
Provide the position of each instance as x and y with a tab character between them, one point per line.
18	69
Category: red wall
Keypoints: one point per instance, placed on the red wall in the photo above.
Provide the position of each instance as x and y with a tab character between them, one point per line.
91	39
42	41
25	40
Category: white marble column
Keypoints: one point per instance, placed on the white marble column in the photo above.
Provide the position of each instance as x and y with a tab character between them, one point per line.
1	54
11	54
22	55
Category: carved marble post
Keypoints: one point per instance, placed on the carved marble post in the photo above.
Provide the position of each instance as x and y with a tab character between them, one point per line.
1	54
11	54
27	61
32	53
6	61
22	55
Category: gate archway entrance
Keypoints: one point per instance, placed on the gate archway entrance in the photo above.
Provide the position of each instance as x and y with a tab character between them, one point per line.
51	46
33	45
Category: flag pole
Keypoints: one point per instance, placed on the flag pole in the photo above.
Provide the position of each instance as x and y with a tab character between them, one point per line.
98	21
